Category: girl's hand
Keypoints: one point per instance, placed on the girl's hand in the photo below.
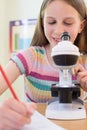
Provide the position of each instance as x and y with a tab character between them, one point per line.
14	114
81	74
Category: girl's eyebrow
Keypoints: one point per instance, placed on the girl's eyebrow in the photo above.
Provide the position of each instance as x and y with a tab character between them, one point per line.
50	17
67	18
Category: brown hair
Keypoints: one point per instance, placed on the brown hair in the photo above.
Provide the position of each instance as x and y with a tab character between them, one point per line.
39	38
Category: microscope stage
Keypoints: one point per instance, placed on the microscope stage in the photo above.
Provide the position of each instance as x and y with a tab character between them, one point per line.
65	111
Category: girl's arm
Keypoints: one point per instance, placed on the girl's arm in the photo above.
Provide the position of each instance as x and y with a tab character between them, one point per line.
12	72
14	114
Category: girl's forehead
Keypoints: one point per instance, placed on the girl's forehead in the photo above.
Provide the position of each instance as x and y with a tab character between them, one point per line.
60	8
59	5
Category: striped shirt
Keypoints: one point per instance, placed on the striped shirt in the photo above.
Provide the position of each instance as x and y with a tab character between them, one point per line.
39	74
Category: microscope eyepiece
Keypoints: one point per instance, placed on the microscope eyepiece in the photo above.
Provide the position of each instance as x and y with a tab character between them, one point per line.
65	36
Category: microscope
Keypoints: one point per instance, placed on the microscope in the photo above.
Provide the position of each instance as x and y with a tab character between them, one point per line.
66	104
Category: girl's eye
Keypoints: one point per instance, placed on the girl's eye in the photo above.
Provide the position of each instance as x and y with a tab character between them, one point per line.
53	22
66	23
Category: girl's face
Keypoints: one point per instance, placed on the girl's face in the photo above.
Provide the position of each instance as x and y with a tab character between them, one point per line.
60	17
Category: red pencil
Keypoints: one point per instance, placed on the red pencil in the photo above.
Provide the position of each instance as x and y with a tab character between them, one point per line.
8	83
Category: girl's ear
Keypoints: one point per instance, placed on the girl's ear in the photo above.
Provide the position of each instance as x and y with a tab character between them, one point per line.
83	24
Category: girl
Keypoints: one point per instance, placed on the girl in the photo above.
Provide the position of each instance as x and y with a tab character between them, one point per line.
36	63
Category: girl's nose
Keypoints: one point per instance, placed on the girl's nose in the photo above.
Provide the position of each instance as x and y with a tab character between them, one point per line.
59	29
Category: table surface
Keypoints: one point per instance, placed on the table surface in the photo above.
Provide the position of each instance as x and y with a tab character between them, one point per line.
69	124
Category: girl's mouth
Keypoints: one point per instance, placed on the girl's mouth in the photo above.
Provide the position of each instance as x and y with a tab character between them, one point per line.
57	40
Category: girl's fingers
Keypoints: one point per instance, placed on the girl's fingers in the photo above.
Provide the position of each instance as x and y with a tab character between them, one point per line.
31	107
79	68
16	114
81	74
82	79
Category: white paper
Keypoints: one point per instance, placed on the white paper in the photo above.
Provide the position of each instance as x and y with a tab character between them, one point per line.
40	122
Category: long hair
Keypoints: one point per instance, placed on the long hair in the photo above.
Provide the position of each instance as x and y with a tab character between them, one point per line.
39	38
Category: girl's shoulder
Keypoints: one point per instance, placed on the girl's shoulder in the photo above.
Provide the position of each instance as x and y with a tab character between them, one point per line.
32	50
37	49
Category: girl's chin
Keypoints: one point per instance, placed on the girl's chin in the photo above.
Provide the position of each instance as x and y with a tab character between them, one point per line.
55	43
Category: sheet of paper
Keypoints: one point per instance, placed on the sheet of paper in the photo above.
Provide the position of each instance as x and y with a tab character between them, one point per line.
40	122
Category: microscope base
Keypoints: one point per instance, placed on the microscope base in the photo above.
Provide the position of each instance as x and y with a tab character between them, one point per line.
66	111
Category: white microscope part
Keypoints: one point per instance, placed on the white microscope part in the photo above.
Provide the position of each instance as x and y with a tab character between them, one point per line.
65	47
65	111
